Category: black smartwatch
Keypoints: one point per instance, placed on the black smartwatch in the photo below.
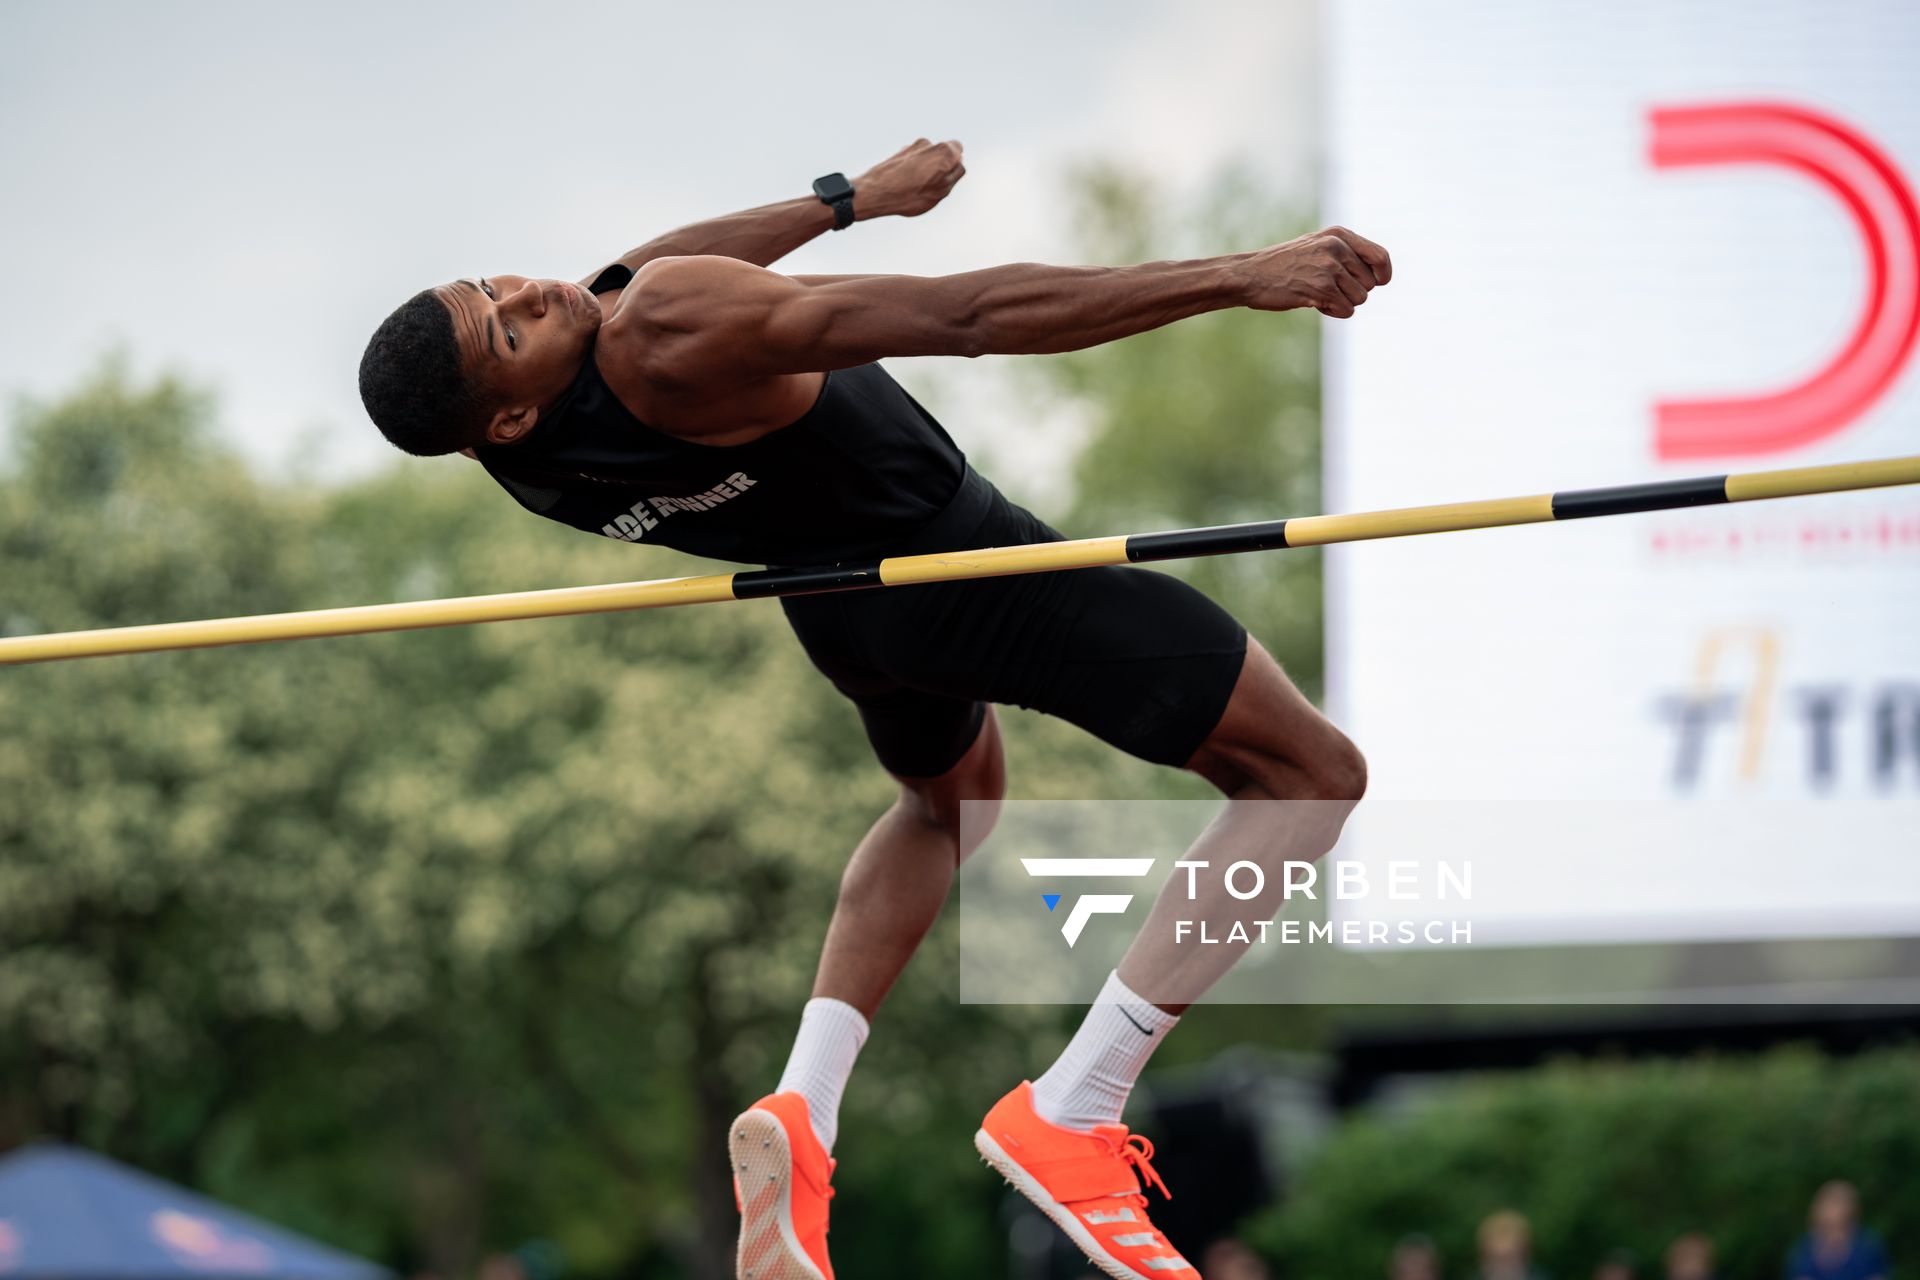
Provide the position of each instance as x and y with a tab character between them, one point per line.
837	193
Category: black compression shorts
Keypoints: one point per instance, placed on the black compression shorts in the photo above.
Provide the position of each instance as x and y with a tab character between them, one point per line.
1133	656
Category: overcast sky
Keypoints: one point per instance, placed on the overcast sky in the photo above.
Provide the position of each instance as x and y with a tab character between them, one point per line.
241	191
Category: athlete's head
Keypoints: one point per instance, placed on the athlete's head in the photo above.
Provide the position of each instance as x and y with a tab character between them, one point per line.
475	361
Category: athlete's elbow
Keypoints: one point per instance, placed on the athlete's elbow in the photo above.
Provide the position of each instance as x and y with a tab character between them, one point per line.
980	328
969	337
1004	319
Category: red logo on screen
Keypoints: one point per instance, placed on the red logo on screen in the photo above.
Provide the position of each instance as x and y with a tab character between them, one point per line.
1881	204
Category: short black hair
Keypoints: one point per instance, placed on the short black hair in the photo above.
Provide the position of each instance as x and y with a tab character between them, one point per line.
413	383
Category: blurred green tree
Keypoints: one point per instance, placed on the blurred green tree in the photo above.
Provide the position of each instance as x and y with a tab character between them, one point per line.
429	942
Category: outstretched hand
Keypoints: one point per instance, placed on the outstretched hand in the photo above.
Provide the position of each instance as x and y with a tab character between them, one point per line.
1331	271
910	181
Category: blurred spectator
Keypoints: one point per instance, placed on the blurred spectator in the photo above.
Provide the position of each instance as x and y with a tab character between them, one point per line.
1617	1265
1506	1247
1835	1248
1690	1257
1231	1260
1414	1258
502	1266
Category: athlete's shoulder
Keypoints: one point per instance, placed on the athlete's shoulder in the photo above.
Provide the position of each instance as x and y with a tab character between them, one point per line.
632	346
667	302
683	292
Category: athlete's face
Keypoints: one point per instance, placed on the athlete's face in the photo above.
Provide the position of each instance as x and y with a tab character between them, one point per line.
524	339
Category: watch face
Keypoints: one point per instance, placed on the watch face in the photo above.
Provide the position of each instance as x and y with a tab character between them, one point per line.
832	187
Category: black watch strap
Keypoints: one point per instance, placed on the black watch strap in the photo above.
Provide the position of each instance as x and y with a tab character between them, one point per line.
836	193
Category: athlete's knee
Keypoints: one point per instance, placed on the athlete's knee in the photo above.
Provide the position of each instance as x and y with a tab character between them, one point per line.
1332	767
966	799
1339	771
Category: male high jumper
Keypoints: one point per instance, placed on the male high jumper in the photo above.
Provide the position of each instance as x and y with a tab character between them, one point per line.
686	396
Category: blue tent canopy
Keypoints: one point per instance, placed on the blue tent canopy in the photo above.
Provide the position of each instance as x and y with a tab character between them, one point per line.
79	1216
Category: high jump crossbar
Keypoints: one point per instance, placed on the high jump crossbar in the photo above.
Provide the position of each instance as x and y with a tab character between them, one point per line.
953	566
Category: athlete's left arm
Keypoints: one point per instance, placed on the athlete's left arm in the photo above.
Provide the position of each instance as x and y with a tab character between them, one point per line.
906	184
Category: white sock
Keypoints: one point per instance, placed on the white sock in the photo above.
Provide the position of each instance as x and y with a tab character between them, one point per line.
831	1033
1090	1083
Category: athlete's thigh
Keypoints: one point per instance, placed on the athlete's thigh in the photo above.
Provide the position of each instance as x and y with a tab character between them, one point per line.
1271	734
1145	662
1134	656
916	732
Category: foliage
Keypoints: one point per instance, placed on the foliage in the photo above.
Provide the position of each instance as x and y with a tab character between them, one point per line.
1602	1156
428	943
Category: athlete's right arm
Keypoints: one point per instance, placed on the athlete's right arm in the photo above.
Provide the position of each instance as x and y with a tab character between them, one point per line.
705	320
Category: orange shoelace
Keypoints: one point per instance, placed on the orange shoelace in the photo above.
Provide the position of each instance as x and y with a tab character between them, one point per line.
1138	1152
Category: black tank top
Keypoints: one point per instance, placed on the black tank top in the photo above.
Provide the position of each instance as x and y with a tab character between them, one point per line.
852	479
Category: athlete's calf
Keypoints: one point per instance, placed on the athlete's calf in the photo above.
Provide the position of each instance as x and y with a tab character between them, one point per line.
898	879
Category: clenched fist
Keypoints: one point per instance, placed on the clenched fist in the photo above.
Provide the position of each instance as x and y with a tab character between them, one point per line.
1331	271
910	181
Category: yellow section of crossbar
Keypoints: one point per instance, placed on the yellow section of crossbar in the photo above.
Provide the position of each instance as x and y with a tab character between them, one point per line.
360	619
997	562
1320	531
1801	482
